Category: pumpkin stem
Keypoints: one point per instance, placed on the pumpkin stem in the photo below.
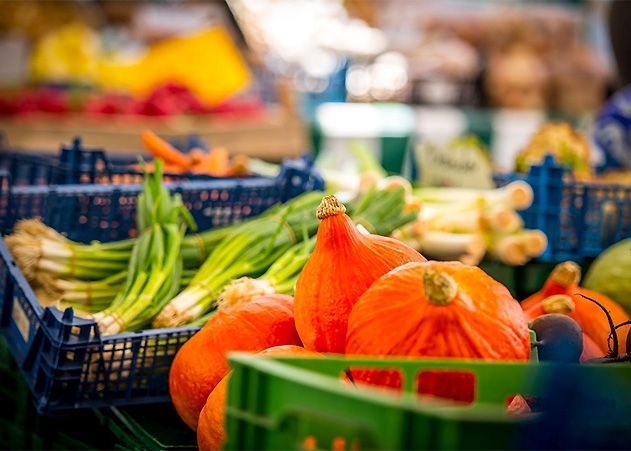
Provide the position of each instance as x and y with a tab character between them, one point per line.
330	206
558	303
566	274
440	288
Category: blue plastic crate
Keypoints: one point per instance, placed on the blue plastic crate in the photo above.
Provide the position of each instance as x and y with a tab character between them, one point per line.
67	364
580	219
78	164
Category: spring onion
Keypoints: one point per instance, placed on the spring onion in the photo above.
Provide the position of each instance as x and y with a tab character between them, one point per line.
156	264
38	249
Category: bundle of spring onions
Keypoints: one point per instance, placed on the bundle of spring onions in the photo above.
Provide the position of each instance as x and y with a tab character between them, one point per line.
155	265
38	249
379	211
165	278
466	224
64	273
88	277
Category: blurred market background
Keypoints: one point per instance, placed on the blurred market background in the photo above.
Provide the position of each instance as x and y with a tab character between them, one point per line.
275	79
467	94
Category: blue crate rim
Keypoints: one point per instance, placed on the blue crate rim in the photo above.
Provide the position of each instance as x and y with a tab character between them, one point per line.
83	161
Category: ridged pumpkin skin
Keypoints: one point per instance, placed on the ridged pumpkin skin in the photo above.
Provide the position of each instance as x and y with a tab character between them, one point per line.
395	317
211	433
201	362
344	263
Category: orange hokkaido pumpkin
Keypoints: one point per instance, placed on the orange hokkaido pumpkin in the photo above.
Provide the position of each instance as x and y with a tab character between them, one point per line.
211	433
201	363
437	309
344	263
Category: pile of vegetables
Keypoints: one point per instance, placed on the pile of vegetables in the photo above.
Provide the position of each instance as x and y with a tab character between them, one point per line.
256	322
365	294
358	293
567	145
603	322
356	289
466	225
165	278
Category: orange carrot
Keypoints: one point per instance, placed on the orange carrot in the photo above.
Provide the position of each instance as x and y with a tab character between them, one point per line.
197	155
162	149
216	163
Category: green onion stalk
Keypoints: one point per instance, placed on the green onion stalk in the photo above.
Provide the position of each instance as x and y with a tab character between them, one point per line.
382	210
280	278
39	249
249	251
156	263
379	211
84	296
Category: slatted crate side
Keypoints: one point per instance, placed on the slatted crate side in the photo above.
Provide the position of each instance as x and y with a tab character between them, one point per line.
213	204
130	366
88	212
83	212
568	214
29	169
69	365
608	216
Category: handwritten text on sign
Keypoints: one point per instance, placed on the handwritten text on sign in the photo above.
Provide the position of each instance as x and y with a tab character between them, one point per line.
457	166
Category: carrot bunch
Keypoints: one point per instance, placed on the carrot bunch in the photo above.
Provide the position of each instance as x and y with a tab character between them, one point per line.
216	162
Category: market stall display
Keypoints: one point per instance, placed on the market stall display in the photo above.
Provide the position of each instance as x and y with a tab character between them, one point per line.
170	278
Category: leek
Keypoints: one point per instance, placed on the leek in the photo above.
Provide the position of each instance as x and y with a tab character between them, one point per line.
517	194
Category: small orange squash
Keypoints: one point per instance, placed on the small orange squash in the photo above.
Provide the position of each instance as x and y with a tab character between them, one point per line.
201	363
437	309
211	433
344	263
564	276
561	294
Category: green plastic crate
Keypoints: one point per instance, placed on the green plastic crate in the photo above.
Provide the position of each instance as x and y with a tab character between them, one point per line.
301	403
